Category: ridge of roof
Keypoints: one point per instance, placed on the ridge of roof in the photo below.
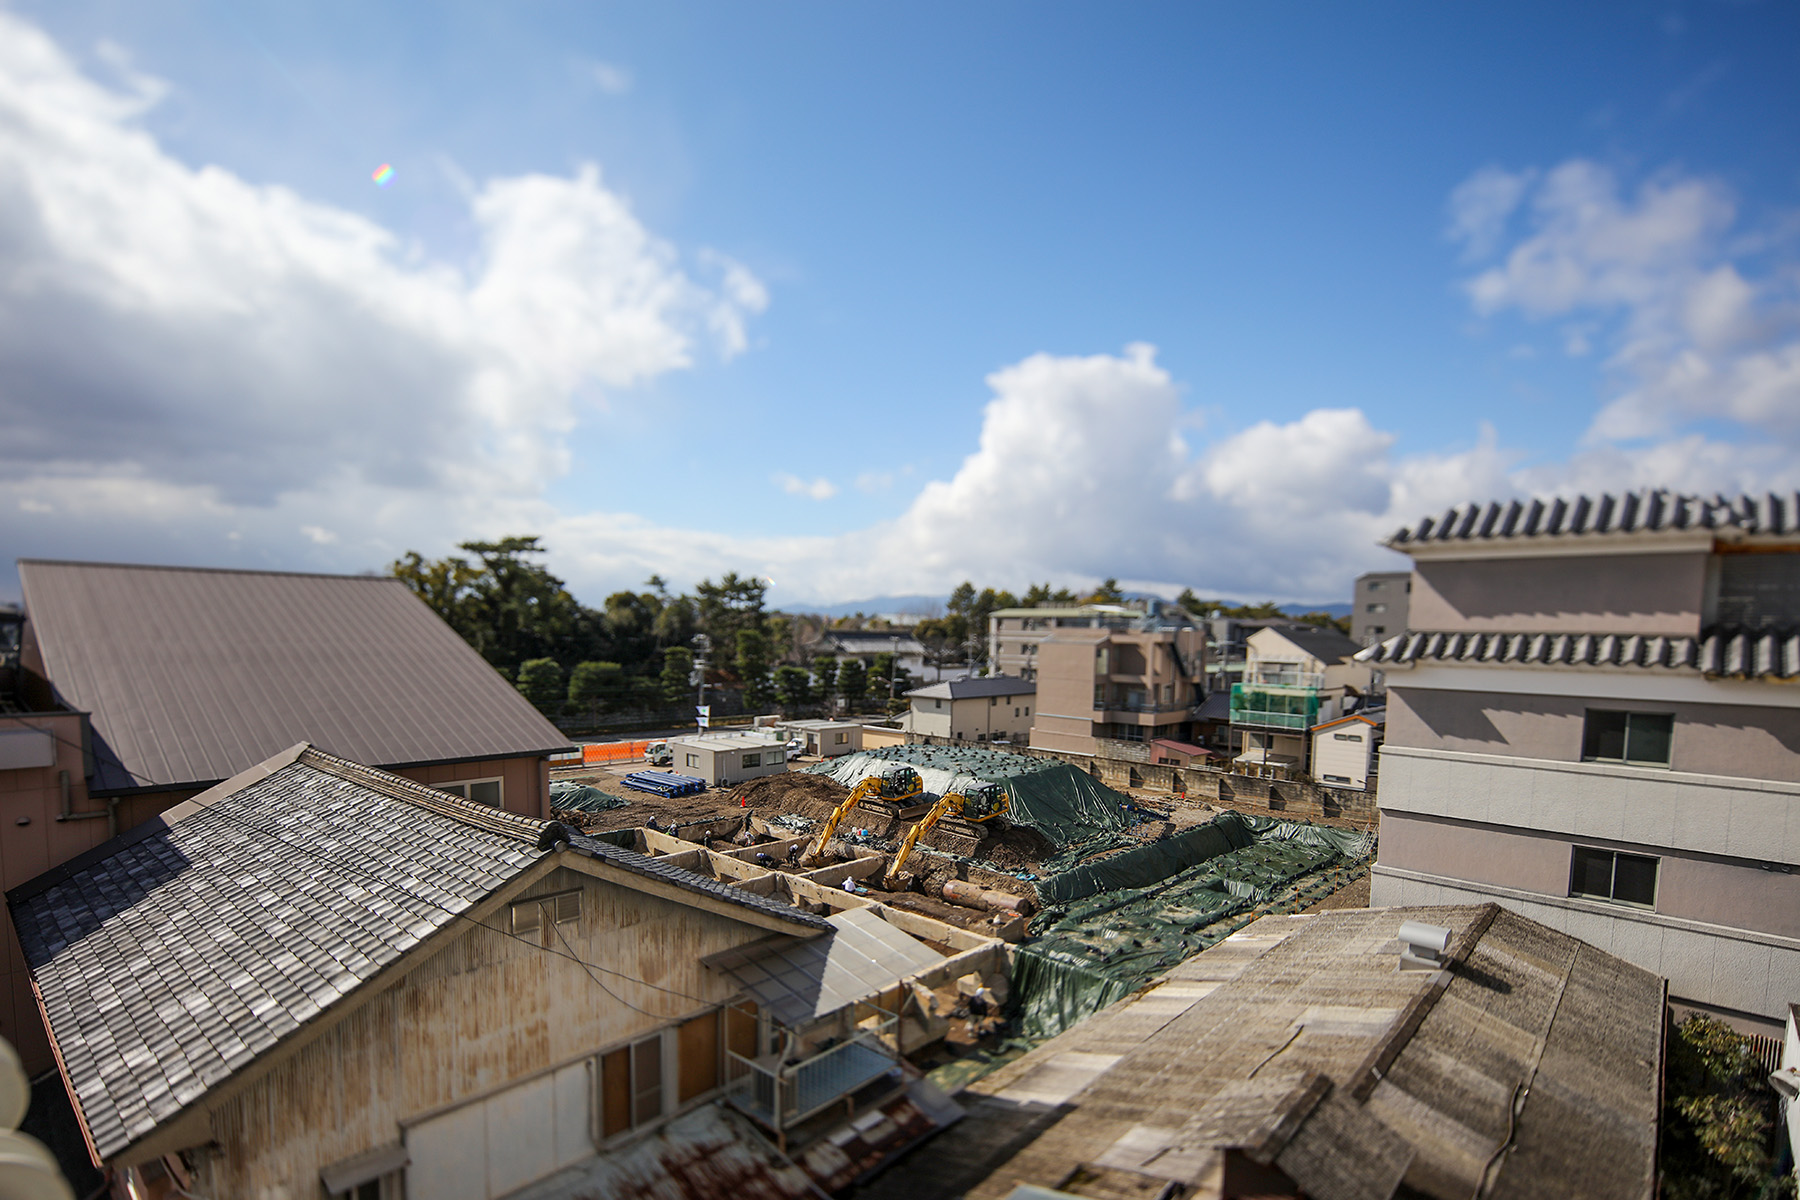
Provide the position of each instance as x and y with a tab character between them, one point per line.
1650	510
88	564
693	881
976	685
1719	651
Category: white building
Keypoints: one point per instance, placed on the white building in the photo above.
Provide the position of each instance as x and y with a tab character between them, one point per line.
723	759
996	708
827	739
1343	751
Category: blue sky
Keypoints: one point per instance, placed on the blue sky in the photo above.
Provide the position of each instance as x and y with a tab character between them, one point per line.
871	299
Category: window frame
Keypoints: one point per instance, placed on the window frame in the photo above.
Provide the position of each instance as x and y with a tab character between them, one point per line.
550	909
1591	733
1576	852
450	786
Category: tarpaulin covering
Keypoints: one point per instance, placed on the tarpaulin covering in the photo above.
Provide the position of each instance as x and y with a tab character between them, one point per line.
579	797
1107	928
1047	795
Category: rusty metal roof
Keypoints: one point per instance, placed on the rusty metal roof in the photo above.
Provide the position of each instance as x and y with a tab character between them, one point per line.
193	675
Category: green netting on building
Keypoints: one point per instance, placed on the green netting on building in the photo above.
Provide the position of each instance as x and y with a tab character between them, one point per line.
579	797
1108	928
1052	797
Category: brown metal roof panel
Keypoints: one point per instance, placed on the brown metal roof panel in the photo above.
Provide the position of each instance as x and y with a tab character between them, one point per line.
193	675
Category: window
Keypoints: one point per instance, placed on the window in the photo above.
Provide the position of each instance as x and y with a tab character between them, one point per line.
1028	710
1641	739
1347	737
481	791
993	702
1337	779
631	1085
1374	608
937	704
538	916
1610	875
1378	630
1374	585
693	760
753	760
1015	710
843	737
376	1174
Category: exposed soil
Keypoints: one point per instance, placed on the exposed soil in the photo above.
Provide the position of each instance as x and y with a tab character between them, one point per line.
1354	894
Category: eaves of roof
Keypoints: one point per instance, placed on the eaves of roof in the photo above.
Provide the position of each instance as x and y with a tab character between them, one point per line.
1651	511
1717	652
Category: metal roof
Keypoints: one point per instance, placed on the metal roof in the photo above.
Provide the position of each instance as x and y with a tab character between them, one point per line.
1653	510
192	675
797	982
972	688
1716	652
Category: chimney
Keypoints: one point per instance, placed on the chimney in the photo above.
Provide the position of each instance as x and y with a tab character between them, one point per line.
1423	947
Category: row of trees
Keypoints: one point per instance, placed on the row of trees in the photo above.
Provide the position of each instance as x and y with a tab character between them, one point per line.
637	651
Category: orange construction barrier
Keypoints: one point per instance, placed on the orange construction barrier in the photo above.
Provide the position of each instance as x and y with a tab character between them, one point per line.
595	753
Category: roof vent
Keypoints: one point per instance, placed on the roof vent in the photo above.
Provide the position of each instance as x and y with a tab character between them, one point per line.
1423	947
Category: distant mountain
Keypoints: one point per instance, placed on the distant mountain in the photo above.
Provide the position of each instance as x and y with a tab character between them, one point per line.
872	606
1336	610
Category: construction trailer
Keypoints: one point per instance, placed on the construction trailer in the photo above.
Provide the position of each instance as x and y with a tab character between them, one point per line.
723	759
826	739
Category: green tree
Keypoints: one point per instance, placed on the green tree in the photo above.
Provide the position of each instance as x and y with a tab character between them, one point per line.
1107	593
630	619
853	683
725	607
753	669
446	586
1719	1116
794	686
541	682
825	675
592	684
506	605
678	691
1325	620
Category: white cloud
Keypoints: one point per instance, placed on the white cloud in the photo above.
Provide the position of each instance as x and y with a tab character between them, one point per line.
318	536
817	489
249	362
1481	206
1650	280
611	78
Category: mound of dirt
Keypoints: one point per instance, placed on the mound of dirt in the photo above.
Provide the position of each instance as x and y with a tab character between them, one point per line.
791	792
1014	847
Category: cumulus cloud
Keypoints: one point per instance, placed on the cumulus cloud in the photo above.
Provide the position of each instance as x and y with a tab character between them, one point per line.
817	489
1653	279
264	364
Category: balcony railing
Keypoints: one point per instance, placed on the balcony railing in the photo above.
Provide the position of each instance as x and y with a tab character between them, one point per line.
1272	720
1267	676
783	1096
1275	706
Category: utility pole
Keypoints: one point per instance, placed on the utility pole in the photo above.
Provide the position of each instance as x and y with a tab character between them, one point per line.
893	670
702	644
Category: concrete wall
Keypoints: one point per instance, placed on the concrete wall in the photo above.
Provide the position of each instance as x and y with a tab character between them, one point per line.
1614	593
485	1012
1389	589
1710	739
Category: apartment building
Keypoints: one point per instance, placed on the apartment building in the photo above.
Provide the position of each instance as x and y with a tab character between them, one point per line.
1294	678
993	708
1136	681
1014	634
1378	605
1593	721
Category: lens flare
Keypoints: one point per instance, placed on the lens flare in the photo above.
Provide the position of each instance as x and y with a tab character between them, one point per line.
383	173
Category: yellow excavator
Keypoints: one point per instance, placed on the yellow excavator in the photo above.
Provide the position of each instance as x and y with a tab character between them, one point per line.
982	803
898	784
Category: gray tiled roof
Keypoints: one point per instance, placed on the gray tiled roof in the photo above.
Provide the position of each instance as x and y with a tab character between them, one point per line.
1655	510
194	675
976	686
1719	652
170	958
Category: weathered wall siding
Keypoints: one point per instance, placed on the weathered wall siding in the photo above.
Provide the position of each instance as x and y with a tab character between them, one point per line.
480	1013
526	787
1614	593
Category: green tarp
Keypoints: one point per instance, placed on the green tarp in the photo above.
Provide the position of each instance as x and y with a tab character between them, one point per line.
1149	863
1050	796
578	797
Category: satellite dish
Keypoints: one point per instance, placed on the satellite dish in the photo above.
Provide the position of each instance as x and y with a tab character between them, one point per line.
15	1089
28	1171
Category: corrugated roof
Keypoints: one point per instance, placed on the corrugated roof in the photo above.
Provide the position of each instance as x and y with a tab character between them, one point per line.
1530	1067
975	687
1653	510
1716	652
193	675
796	982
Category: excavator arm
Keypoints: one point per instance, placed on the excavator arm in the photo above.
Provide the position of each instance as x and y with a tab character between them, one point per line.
952	802
815	851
